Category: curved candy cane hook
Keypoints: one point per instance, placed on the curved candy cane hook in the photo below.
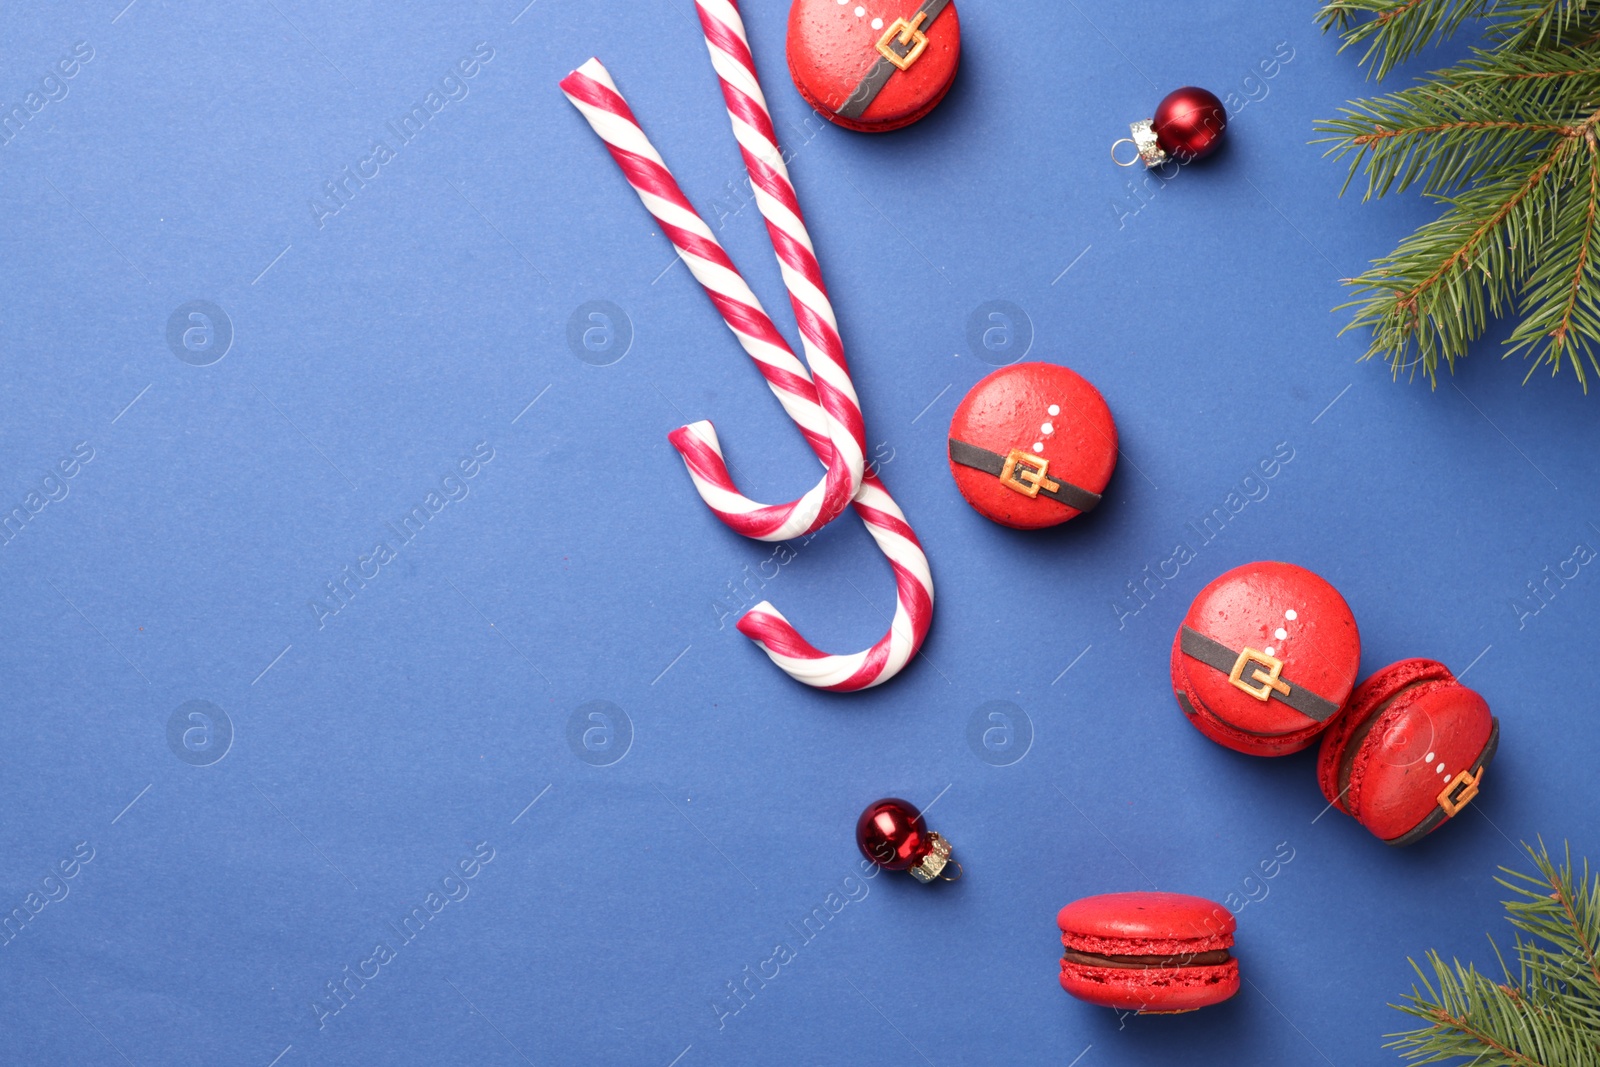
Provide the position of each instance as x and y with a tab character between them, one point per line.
913	612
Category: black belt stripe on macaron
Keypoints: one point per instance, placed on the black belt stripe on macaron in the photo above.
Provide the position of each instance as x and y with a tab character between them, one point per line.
867	90
1219	656
981	459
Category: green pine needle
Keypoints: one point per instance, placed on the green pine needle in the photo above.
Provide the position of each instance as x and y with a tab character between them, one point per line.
1506	142
1547	1014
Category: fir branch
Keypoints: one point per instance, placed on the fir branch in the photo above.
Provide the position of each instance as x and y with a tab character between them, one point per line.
1555	68
1397	146
1571	926
1538	59
1538	23
1466	120
1397	29
1548	1015
1438	290
1508	141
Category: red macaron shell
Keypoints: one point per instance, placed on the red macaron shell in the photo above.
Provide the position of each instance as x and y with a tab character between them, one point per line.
1154	990
833	46
1148	924
1011	409
1321	652
1409	732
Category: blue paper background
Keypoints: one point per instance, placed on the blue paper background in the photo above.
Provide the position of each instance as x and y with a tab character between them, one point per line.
374	748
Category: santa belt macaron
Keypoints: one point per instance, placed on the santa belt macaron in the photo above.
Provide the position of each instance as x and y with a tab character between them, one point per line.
1268	684
1409	751
1024	473
901	45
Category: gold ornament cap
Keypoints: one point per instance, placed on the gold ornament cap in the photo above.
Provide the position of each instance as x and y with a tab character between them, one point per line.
935	864
1148	150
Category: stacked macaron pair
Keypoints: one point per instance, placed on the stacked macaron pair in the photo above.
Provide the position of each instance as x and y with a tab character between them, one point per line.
1265	663
1151	953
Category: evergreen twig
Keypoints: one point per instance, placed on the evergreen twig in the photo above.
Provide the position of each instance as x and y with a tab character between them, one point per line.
1506	142
1547	1014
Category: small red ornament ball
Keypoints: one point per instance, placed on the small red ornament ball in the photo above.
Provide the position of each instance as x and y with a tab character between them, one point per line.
892	834
1189	123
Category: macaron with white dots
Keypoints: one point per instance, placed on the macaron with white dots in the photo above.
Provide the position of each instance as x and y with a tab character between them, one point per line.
873	65
1409	751
1032	445
1265	658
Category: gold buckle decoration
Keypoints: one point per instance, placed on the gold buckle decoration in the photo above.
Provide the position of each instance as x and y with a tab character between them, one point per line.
1024	472
912	39
1459	793
1270	682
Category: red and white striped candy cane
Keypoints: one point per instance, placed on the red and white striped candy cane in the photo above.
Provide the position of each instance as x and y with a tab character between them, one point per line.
592	91
802	275
839	442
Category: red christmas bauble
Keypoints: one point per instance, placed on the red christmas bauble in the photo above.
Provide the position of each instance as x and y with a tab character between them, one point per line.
892	834
1189	123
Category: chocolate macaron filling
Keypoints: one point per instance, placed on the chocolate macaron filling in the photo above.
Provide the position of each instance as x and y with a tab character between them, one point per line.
1213	958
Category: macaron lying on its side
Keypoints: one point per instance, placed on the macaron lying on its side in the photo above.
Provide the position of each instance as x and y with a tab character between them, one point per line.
1408	752
1154	953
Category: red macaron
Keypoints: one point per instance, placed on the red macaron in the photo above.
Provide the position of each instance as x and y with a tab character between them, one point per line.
1032	445
1154	953
873	65
1265	658
1409	751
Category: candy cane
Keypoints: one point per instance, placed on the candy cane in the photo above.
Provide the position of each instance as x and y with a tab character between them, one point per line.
591	90
839	442
802	274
